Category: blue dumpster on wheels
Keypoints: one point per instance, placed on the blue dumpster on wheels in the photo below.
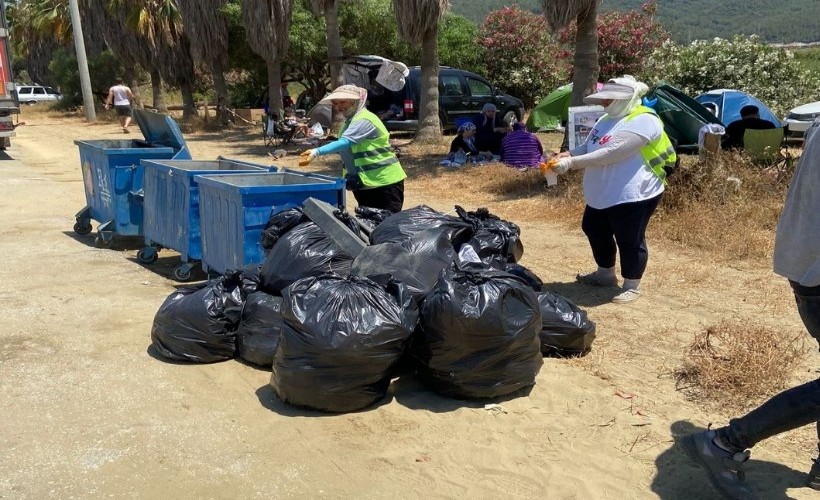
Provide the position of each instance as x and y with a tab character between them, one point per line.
171	206
235	208
113	176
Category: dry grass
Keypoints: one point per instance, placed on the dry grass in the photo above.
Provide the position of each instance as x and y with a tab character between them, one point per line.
736	365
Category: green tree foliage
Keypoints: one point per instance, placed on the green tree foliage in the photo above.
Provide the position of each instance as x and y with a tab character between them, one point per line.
520	54
743	63
103	69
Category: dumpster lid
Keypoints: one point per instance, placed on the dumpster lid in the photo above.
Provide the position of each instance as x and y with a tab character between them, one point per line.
159	129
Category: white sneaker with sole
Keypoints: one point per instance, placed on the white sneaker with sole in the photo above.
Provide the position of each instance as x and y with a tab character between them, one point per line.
628	295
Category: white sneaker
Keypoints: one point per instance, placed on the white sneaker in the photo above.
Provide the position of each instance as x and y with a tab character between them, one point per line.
628	295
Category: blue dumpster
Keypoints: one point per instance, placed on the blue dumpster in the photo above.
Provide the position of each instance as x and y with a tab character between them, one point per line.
113	176
235	208
171	206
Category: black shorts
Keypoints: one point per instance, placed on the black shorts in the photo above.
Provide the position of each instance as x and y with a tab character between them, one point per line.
123	109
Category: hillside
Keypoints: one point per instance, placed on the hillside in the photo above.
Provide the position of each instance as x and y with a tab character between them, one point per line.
784	21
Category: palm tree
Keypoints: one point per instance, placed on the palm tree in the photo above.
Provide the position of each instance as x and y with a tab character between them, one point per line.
560	13
267	23
330	9
418	22
207	29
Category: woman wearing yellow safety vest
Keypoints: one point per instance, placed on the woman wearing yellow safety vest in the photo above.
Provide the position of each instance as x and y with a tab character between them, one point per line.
623	158
371	169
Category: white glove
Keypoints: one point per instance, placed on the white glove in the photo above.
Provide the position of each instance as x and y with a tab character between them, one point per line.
562	166
307	156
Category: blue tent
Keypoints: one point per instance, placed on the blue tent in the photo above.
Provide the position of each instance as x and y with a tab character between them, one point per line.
729	102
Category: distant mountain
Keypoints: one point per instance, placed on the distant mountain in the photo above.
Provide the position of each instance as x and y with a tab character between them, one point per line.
781	21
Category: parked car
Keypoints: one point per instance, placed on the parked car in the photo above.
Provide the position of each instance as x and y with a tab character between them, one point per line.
32	94
799	119
462	94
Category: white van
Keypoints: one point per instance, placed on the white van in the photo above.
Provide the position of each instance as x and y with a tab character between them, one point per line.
32	94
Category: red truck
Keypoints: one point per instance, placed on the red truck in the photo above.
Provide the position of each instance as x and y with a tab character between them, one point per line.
9	105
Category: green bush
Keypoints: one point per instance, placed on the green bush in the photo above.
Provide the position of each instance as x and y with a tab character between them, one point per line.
103	69
744	63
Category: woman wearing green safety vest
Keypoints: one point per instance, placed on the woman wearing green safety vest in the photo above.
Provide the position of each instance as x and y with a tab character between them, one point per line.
624	159
371	169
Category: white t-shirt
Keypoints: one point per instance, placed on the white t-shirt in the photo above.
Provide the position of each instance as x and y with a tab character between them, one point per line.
629	180
120	95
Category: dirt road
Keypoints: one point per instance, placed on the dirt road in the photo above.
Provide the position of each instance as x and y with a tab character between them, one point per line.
88	413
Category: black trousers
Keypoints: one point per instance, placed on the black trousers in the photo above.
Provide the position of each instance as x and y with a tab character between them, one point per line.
621	228
386	197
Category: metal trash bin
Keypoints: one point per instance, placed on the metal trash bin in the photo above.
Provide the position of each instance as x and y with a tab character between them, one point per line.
113	176
235	208
171	206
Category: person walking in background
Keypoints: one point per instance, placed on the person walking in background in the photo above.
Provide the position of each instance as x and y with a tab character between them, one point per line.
371	169
121	97
723	452
749	119
623	159
521	148
490	129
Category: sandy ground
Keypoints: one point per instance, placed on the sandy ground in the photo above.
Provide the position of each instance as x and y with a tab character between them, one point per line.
88	413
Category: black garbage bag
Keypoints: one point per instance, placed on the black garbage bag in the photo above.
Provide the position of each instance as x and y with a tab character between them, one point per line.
401	226
415	262
251	279
565	328
526	274
198	324
494	239
340	341
372	217
304	251
478	335
349	221
260	329
279	224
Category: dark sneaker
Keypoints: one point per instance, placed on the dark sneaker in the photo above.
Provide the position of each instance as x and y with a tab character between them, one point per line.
724	467
814	475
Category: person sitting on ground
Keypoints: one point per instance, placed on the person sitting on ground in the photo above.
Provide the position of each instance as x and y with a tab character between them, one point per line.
521	148
490	129
749	119
393	111
464	143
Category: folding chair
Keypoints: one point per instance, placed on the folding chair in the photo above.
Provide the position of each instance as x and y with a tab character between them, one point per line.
274	132
765	148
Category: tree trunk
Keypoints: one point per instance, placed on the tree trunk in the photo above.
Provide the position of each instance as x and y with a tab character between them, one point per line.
334	44
586	56
188	105
429	123
134	84
156	89
275	87
221	90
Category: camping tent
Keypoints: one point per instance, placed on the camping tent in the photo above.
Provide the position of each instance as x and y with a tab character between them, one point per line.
551	113
365	72
682	116
729	103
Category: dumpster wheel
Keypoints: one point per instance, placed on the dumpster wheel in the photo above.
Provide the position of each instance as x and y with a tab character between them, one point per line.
182	272
82	226
147	255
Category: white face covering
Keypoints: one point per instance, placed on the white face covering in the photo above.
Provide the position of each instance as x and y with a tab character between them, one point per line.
619	108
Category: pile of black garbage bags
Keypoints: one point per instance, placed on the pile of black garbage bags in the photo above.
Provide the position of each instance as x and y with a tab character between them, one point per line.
433	294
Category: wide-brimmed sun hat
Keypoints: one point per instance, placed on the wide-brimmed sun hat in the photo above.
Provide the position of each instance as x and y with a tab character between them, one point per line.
610	91
345	92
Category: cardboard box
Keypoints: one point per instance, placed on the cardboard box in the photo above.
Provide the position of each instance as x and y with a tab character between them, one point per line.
250	114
